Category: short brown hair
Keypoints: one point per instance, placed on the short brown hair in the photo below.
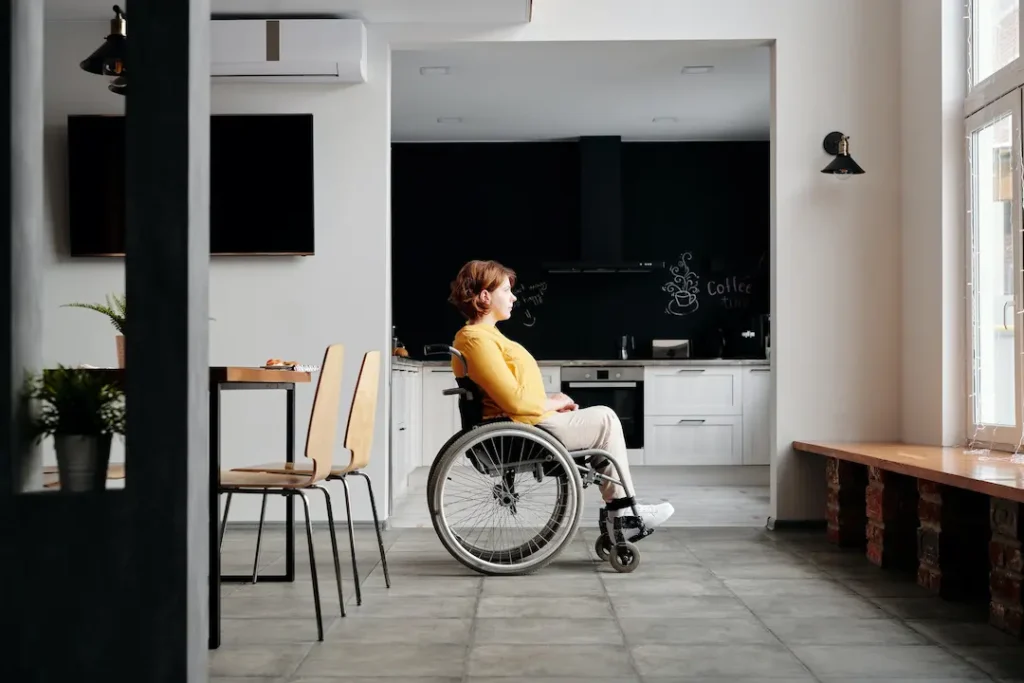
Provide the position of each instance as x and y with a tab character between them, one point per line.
474	278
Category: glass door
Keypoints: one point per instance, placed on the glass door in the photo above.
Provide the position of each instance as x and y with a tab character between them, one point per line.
993	251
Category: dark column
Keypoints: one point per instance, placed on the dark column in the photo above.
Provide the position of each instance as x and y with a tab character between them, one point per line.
21	201
847	485
892	520
952	541
166	359
1007	566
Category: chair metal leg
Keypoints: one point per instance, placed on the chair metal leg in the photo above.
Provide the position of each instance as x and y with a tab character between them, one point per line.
259	539
376	525
334	544
224	522
352	541
312	568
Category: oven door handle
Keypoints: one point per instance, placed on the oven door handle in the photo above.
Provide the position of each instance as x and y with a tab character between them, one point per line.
602	385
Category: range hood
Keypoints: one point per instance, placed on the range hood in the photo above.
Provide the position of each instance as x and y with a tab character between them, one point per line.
601	228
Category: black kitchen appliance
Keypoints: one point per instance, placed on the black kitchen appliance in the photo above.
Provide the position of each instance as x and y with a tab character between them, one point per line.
620	388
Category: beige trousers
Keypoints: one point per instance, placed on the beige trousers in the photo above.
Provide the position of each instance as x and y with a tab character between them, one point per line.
594	427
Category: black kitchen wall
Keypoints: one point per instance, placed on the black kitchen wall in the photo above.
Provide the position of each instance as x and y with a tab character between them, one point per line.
701	207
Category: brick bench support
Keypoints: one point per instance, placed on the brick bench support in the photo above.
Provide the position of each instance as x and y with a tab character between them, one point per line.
951	541
1005	606
891	506
847	483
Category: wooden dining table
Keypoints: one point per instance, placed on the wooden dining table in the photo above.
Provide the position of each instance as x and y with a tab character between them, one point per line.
239	378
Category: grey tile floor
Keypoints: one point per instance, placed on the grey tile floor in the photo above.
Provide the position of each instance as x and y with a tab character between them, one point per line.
707	604
696	505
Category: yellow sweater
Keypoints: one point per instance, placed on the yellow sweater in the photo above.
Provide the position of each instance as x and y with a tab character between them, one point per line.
505	371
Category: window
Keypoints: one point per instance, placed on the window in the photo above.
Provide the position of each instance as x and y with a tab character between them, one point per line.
994	263
995	37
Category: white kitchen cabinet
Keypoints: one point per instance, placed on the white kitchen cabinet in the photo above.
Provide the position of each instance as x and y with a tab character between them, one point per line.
693	391
440	413
405	420
756	434
552	378
693	440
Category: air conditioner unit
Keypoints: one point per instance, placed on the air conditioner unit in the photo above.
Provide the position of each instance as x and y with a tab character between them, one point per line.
288	50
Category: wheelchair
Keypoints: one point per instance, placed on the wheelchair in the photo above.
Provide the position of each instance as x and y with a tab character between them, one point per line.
505	498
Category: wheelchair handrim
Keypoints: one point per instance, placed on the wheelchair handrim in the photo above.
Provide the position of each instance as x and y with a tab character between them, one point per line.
569	501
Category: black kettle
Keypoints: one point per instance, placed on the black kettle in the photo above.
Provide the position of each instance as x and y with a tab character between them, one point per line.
627	347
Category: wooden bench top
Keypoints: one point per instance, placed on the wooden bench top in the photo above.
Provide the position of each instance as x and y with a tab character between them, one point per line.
993	473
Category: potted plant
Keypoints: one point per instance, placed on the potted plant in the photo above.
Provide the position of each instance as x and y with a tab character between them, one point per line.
115	309
81	410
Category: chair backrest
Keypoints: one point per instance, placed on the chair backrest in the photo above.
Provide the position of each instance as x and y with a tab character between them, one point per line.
323	419
361	418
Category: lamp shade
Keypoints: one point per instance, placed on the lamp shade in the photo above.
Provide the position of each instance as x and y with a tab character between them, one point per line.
109	58
838	145
843	164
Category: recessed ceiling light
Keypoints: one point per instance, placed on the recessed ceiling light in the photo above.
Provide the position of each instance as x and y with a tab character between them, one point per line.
697	69
665	119
449	119
435	70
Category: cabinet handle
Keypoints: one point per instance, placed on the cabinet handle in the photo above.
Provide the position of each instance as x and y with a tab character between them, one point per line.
760	369
401	429
691	422
693	370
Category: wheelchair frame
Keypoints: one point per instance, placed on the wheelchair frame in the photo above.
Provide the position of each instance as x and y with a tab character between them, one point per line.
622	554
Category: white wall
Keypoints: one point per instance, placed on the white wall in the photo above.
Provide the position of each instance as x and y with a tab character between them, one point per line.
287	308
836	337
838	296
934	79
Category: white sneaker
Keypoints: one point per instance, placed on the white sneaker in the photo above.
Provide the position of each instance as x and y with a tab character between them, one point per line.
652	516
655	514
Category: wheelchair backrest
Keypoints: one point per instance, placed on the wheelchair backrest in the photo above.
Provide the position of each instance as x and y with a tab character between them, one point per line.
471	407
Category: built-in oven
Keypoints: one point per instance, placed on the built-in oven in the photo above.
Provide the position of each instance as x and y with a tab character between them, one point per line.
621	388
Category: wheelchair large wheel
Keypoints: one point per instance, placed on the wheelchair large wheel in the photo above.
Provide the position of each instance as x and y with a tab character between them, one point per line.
504	498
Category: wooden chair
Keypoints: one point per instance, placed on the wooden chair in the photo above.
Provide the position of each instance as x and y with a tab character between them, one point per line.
359	441
323	429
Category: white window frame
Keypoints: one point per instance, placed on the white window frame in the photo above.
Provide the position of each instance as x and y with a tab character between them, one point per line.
992	436
998	83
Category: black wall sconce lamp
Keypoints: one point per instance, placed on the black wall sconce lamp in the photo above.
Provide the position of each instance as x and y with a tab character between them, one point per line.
838	145
109	58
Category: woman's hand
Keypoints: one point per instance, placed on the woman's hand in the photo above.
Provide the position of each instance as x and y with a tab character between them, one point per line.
561	403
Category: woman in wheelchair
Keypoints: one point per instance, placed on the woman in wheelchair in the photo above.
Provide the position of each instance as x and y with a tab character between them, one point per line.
513	388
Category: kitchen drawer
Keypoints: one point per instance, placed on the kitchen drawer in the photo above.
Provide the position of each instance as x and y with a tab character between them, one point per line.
693	390
710	440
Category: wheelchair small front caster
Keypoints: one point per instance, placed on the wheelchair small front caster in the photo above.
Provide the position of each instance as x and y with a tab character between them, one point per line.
603	547
625	557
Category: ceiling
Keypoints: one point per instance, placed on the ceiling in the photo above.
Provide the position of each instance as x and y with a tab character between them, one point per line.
372	11
541	91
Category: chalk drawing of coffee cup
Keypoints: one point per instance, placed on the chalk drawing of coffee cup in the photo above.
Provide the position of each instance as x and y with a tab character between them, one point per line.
683	288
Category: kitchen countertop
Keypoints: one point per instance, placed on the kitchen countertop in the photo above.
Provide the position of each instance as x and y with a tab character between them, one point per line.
636	362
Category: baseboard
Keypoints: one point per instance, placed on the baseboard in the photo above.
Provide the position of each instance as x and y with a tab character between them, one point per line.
706	475
796	524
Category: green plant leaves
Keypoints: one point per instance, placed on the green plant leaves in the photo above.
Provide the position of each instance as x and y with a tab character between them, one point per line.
116	309
75	402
